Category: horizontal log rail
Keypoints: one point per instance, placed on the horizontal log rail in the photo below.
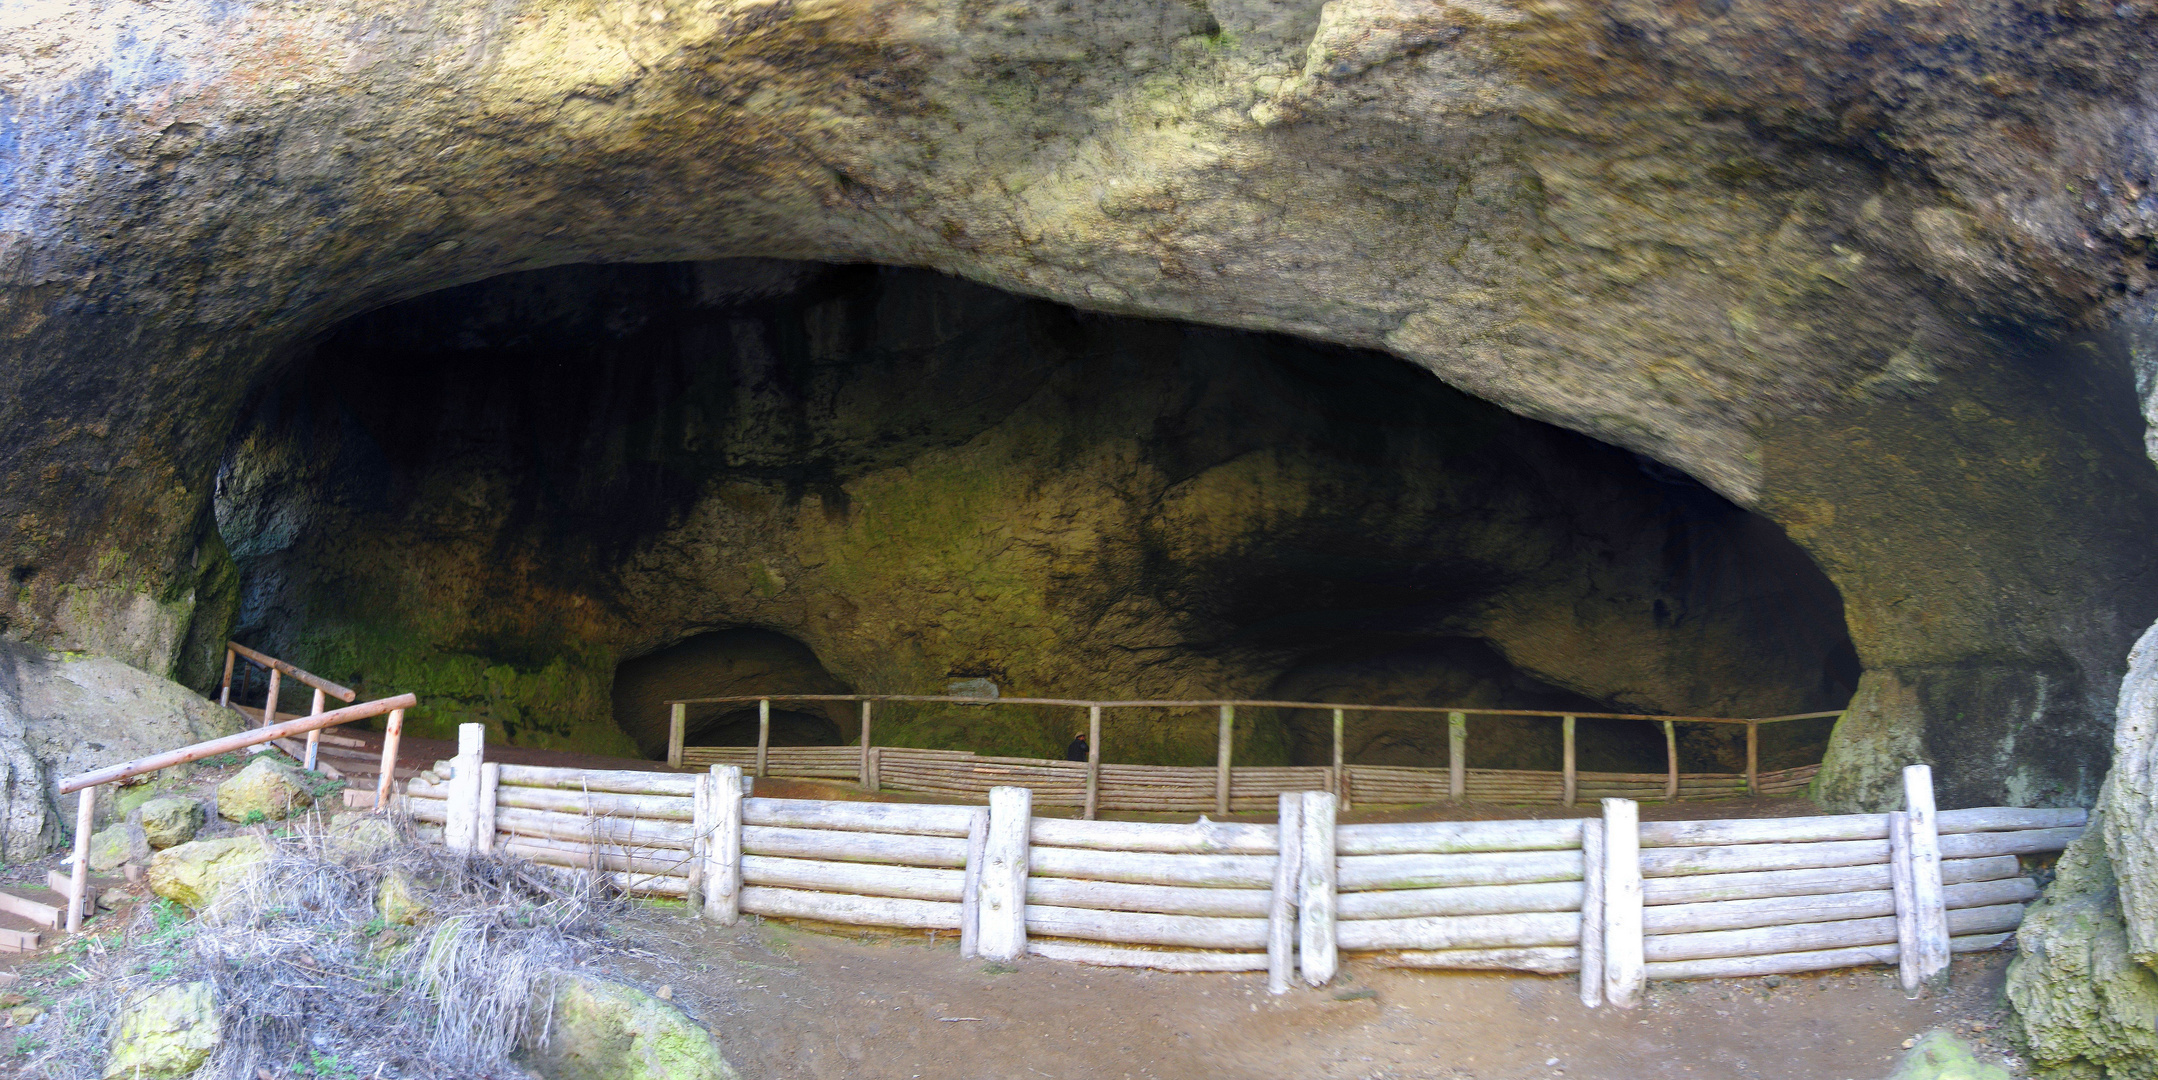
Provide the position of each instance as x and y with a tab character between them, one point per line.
1210	703
266	660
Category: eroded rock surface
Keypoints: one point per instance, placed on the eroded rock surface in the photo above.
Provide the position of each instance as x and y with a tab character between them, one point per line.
192	874
602	1030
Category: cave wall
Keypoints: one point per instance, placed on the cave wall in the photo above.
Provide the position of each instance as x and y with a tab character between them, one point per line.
492	495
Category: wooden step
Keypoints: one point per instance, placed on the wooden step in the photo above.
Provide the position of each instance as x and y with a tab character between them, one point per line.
45	907
57	883
18	934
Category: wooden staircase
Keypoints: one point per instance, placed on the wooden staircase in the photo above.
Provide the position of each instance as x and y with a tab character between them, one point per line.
27	911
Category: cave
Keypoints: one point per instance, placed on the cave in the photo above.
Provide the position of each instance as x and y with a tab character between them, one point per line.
554	500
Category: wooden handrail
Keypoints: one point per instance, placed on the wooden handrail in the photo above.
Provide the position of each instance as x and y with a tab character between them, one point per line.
241	741
1555	714
311	679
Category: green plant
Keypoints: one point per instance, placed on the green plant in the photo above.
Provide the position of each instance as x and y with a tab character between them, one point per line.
220	761
998	967
254	817
26	1045
324	1065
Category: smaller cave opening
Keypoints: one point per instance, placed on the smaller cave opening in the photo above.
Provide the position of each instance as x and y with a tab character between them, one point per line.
730	663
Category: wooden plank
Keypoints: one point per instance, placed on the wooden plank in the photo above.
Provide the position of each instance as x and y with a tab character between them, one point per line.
1461	931
1590	955
645	862
487	819
605	803
1093	761
1153	868
1448	837
868	767
1904	902
1201	837
78	887
669	834
2021	842
1568	789
1457	755
970	896
393	732
866	879
1802	830
1142	928
1361	872
919	819
277	666
1340	779
1227	742
1159	899
1624	974
2009	818
1157	959
1670	742
1753	757
1282	899
461	831
1542	960
764	735
1767	911
1315	890
1745	858
850	910
1792	963
1003	931
835	845
1927	900
1747	886
1806	937
1462	900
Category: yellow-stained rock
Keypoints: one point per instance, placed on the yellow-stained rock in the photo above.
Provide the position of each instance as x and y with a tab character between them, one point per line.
164	1033
192	874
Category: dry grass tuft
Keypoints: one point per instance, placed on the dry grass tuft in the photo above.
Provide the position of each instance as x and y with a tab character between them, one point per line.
311	982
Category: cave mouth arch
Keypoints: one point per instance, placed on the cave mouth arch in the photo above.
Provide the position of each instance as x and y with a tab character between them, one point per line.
532	499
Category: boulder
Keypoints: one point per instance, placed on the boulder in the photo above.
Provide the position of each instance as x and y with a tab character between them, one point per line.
163	1033
116	844
399	902
192	874
1941	1056
266	790
604	1030
359	835
168	821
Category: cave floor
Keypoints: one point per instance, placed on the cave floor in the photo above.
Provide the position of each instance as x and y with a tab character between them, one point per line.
792	1004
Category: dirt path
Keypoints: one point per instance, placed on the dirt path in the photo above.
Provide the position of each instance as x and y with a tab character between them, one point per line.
790	1004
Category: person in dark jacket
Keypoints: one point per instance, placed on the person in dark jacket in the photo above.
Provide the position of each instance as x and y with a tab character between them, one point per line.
1077	750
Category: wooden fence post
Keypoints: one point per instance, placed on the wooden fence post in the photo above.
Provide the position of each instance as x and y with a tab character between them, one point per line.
1315	893
1341	771
1093	761
314	738
460	831
1592	913
700	844
393	731
1753	758
224	693
677	733
1281	912
723	848
764	731
1003	906
1670	746
1625	970
1927	899
79	877
1457	754
269	705
870	779
1568	784
970	889
1899	883
490	791
1222	754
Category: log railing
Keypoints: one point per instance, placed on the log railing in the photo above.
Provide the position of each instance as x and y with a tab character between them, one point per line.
1614	898
1167	787
85	785
278	668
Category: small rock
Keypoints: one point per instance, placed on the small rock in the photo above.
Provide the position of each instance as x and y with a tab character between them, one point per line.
1773	981
22	1015
170	821
606	1031
359	835
116	844
398	902
266	787
194	872
164	1033
1938	1055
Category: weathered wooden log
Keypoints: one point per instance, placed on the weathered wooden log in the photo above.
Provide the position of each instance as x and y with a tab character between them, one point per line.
1904	894
670	834
866	879
1141	928
1747	858
1361	872
1288	870
1971	845
487	820
2010	818
1753	885
1590	956
1450	837
831	844
607	803
1157	959
648	861
1463	900
970	892
1932	924
1809	937
1154	868
1770	911
851	910
1461	932
1317	957
1790	963
679	785
1201	837
723	847
1624	974
1002	910
1160	899
918	819
1664	834
240	741
1542	960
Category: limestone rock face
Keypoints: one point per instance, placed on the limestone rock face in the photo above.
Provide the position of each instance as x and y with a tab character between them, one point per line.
125	842
193	873
266	790
604	1030
168	821
359	835
399	902
164	1033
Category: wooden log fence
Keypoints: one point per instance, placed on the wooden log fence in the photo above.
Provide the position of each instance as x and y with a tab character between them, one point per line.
1093	786
1616	899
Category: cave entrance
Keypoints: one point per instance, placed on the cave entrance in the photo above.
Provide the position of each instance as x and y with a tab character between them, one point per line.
730	663
887	479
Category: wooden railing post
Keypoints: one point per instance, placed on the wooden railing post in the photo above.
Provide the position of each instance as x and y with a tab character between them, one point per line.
1341	771
677	733
461	831
1222	754
869	769
723	849
393	732
1093	761
314	738
224	693
1625	966
1592	913
1670	746
1315	890
764	731
1928	902
1281	911
1908	963
1457	753
1568	782
269	705
1003	907
1753	758
79	878
970	886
